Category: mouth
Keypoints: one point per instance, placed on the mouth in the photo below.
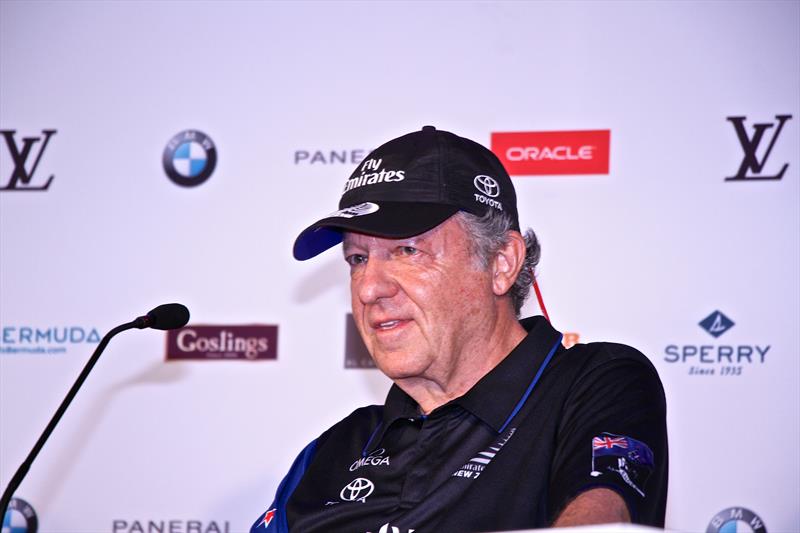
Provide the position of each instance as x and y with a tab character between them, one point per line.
388	325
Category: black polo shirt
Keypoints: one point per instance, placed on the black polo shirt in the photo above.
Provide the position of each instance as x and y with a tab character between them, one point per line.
543	426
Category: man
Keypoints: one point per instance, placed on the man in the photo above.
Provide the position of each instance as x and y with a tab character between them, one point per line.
491	423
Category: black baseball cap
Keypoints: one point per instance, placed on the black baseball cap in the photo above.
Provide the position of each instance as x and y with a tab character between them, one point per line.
410	185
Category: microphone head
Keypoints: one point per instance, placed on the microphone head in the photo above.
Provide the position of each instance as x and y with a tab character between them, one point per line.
168	316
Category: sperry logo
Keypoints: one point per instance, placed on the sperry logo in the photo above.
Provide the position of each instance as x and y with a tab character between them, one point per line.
716	324
750	161
21	177
369	175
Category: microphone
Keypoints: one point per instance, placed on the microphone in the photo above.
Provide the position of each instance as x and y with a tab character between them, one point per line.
166	316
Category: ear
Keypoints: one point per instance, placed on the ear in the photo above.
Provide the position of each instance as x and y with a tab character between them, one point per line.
507	263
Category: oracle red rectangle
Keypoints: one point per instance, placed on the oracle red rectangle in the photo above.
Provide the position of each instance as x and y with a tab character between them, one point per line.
536	153
250	342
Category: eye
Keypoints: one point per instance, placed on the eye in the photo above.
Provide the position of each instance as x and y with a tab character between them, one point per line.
355	259
408	250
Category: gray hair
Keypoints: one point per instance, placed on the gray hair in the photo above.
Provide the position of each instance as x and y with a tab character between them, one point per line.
489	234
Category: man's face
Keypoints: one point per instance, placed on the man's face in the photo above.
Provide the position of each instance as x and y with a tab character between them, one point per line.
421	303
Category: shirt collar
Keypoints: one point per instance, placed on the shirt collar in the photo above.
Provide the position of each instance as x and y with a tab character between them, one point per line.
398	405
495	395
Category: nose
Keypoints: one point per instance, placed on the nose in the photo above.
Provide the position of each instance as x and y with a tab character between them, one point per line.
374	282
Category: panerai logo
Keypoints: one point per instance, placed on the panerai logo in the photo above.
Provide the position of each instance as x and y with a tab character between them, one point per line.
370	175
171	526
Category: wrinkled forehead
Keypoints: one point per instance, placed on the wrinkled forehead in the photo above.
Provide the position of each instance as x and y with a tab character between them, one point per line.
449	233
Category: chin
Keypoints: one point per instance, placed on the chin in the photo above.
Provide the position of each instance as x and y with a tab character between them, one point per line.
398	366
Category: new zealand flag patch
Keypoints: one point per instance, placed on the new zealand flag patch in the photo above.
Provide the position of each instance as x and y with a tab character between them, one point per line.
630	459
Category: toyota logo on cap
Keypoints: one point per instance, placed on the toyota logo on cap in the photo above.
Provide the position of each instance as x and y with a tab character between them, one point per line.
487	185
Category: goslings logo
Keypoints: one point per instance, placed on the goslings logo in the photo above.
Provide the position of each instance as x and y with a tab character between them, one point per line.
722	359
208	343
20	517
189	158
329	157
750	145
25	160
369	175
49	340
553	152
736	519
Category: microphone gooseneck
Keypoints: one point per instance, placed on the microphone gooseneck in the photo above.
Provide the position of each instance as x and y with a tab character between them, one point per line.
167	316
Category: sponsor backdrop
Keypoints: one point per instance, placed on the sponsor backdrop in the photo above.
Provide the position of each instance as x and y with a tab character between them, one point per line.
156	152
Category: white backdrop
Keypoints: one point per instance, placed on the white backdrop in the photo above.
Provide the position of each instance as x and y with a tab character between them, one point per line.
640	255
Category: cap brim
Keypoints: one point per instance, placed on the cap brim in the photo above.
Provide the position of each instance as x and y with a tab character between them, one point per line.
394	220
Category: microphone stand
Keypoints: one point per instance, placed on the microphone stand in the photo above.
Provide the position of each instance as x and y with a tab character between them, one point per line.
22	471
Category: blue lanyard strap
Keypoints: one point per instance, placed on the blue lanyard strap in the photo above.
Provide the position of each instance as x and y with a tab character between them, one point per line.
528	391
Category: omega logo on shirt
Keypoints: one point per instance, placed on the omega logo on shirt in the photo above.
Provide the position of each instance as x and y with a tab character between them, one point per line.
376	458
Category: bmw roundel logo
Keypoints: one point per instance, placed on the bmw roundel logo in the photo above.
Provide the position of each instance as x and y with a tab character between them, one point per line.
20	517
190	158
736	520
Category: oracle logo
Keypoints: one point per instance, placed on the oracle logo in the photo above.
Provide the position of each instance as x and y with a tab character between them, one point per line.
553	152
560	153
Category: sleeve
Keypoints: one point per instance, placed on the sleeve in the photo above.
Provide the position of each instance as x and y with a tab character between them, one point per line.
273	520
613	434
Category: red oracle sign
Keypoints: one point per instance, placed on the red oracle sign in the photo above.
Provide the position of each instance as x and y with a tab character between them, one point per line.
528	153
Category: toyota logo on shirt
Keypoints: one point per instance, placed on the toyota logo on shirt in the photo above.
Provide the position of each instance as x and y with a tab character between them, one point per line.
357	490
487	185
